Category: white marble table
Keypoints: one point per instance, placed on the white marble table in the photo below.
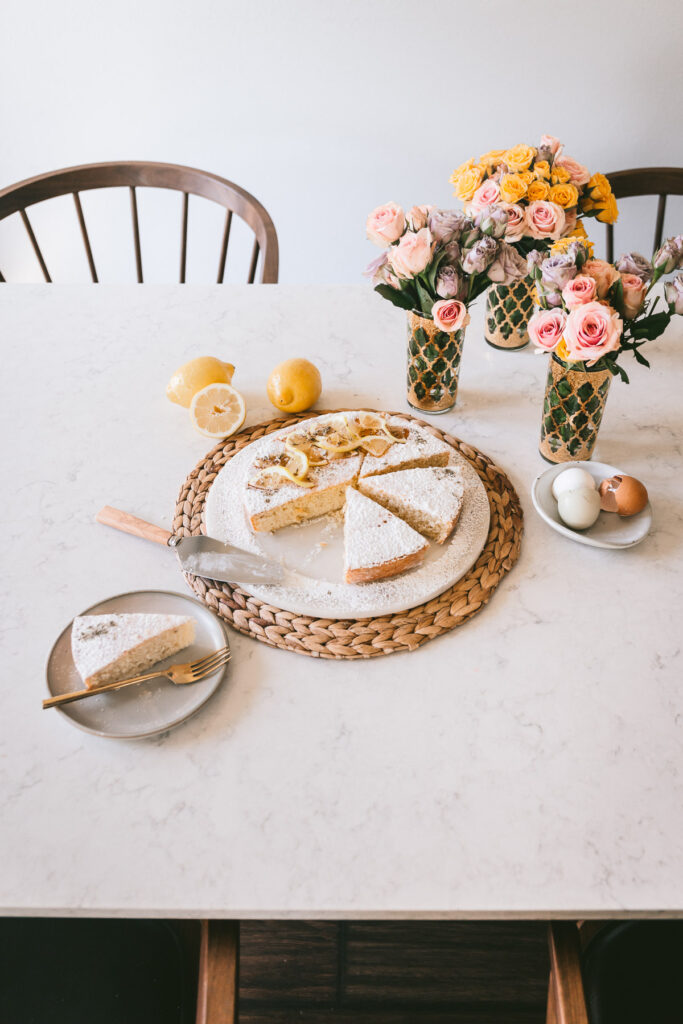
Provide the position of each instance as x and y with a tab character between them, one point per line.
528	764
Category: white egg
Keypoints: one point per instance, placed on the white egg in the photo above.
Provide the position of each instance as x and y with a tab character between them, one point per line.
580	508
571	479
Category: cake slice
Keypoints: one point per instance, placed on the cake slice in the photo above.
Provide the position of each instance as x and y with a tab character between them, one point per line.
107	648
377	544
429	499
420	448
272	508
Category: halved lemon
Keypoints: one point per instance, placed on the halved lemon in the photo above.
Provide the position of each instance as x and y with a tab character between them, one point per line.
218	410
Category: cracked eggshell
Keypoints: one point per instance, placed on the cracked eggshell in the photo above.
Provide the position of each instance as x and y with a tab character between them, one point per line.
623	494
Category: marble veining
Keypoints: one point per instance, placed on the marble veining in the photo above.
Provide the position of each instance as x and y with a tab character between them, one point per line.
527	764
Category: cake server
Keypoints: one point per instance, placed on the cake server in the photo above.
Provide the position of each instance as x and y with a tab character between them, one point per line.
201	556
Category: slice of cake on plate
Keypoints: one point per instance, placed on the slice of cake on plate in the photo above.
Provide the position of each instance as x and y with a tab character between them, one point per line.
377	544
429	499
106	648
418	448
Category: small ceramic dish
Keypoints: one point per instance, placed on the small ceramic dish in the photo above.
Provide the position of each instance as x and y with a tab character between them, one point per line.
609	530
151	707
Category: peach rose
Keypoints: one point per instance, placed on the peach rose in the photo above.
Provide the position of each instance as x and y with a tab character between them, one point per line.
417	216
486	195
546	328
578	174
551	143
603	273
592	330
545	220
516	225
412	254
450	315
634	295
385	224
579	290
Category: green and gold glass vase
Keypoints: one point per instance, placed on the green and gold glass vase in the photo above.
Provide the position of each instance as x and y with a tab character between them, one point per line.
433	364
575	396
508	308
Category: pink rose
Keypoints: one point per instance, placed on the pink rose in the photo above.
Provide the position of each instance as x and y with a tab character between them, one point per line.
412	254
578	174
545	220
551	143
385	224
450	315
546	328
634	295
417	216
580	289
603	274
516	226
487	194
591	331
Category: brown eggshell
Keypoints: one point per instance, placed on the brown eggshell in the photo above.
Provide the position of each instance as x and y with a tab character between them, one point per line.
622	494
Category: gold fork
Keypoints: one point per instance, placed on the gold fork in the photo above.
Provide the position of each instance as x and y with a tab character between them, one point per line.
190	672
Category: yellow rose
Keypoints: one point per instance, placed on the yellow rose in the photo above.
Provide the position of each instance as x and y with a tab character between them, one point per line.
599	188
564	195
467	183
608	210
526	176
512	188
492	158
542	169
519	157
459	170
579	232
538	190
562	351
559	175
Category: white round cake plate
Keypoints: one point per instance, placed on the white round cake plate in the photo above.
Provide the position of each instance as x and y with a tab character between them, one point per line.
151	707
313	551
609	530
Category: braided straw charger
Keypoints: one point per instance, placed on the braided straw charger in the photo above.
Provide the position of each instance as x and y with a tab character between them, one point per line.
359	638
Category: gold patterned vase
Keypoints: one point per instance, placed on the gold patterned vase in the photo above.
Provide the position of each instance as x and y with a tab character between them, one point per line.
508	308
433	364
574	402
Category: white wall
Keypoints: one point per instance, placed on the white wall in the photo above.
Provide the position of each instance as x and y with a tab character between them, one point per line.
322	109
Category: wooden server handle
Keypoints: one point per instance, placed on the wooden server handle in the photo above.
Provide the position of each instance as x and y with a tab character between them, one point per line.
127	523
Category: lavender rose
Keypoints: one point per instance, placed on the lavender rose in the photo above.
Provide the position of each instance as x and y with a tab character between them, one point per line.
673	291
492	220
670	256
634	263
375	267
556	271
480	256
508	266
446	225
534	260
447	282
452	253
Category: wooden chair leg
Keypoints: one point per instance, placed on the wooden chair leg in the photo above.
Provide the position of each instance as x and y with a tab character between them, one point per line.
566	999
218	987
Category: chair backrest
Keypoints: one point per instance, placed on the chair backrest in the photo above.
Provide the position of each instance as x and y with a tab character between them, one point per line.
645	181
133	174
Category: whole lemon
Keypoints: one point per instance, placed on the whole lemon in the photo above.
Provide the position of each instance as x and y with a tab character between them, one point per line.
294	385
195	375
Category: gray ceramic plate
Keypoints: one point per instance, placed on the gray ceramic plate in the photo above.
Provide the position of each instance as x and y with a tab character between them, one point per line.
151	707
609	530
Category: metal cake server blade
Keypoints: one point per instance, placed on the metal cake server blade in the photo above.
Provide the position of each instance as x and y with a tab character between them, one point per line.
201	556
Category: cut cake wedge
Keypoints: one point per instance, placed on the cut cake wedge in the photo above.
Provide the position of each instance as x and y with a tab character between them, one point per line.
430	500
377	544
107	648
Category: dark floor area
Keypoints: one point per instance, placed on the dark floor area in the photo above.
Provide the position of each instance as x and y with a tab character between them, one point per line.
393	973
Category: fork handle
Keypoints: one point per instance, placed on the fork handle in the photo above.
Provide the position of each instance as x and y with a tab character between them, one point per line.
128	523
67	698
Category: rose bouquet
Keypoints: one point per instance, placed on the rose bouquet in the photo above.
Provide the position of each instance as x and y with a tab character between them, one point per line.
543	192
434	264
589	313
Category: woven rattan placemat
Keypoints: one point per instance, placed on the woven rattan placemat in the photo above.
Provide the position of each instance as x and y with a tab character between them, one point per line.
362	638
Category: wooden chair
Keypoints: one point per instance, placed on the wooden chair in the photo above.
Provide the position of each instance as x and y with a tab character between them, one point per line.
135	174
70	971
645	181
615	972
